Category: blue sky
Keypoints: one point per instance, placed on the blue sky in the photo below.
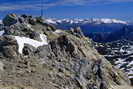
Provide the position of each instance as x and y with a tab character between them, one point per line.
119	9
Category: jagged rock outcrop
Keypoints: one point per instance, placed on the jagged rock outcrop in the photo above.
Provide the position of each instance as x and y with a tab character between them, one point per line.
77	32
66	62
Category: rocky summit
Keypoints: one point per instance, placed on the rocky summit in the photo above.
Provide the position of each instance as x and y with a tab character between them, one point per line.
36	55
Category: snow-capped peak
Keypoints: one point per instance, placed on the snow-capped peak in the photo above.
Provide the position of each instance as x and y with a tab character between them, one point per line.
51	21
108	21
83	21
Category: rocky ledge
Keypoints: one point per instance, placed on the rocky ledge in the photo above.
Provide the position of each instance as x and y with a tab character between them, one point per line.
36	55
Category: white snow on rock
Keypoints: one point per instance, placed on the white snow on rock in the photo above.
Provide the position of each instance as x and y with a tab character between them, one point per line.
130	74
28	25
2	32
130	64
24	40
58	31
1	22
50	21
1	66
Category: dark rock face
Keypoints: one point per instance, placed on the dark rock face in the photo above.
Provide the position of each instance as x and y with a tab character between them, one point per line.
10	19
67	62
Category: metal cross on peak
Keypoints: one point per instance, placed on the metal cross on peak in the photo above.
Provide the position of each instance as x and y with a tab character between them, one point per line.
42	7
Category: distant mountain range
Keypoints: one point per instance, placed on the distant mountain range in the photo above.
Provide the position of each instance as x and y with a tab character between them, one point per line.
100	30
86	21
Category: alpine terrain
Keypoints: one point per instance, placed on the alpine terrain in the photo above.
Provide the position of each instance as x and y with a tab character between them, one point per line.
36	55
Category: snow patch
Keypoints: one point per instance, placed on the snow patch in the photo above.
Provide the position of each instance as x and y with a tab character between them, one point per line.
58	31
24	40
1	66
131	63
28	25
2	32
1	22
50	21
130	74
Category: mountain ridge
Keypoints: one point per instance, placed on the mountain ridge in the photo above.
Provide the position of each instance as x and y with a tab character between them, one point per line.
92	20
99	30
